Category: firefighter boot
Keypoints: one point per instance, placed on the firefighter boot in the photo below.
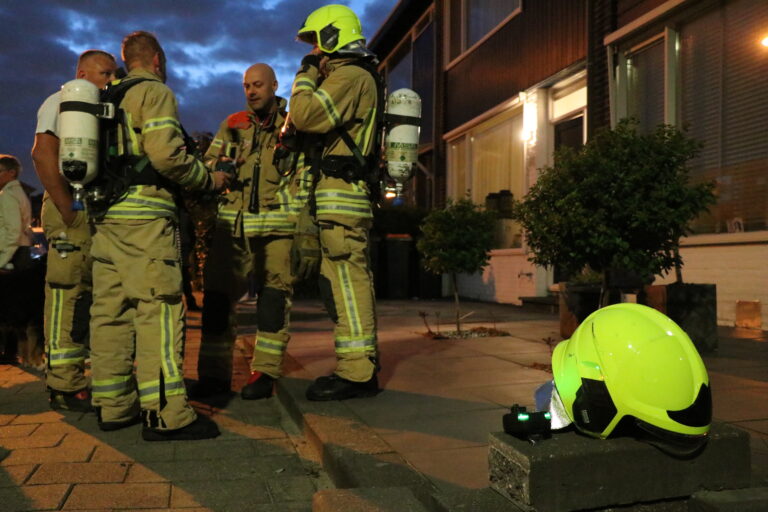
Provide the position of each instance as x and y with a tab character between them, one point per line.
110	426
260	385
202	428
333	387
79	401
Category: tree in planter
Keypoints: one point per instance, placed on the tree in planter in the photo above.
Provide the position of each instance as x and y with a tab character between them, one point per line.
456	240
622	201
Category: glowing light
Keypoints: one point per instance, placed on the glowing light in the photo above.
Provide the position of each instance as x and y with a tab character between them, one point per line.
529	118
390	195
764	42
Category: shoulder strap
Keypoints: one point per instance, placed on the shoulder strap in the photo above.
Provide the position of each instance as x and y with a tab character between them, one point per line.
368	66
115	93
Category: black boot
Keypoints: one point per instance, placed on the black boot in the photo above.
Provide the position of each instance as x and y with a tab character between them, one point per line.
77	401
110	426
333	387
202	428
260	385
207	387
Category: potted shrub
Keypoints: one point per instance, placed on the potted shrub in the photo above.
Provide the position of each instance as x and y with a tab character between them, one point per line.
457	239
618	205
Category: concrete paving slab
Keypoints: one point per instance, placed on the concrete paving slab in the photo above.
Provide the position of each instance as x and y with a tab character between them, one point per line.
398	499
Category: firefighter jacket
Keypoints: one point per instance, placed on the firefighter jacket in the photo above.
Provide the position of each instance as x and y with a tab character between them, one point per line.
151	111
261	200
344	98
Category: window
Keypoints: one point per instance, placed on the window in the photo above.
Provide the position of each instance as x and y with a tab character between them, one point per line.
400	68
411	66
724	104
489	159
645	86
471	21
715	88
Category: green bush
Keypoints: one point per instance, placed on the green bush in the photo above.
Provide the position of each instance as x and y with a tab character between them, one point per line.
456	239
621	201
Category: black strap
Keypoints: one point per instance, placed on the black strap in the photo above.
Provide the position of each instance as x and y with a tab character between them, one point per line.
95	109
344	134
401	119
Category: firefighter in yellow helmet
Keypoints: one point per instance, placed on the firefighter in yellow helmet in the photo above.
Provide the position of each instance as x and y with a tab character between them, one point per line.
137	312
253	236
337	93
68	272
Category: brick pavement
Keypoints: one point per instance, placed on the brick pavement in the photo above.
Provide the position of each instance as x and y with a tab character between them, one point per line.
62	461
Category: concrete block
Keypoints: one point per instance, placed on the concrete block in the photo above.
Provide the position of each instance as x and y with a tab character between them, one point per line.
380	499
742	500
575	472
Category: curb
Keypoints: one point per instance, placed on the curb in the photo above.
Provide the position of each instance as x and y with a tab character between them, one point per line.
352	453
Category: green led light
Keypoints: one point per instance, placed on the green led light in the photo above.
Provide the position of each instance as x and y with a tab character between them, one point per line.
547	416
522	417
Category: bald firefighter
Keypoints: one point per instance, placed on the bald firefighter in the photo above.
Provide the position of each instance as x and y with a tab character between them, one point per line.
68	271
337	94
253	236
137	313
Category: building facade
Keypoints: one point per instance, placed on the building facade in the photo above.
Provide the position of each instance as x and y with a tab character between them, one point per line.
506	83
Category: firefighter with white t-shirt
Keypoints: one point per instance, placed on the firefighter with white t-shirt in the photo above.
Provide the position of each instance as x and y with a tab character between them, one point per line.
68	276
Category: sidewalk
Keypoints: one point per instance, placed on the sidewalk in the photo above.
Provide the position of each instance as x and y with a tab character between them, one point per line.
443	397
62	461
425	434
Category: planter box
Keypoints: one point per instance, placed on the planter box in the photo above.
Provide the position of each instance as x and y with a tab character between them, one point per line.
692	306
577	302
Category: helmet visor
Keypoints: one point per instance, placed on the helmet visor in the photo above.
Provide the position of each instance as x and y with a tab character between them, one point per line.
308	37
548	399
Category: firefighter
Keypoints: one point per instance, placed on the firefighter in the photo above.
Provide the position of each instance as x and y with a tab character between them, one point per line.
68	272
137	313
253	236
337	93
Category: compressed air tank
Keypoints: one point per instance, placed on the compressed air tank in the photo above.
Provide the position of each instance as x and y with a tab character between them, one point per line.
79	135
402	140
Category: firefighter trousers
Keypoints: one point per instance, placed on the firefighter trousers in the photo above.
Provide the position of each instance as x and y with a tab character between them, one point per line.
231	260
137	315
346	283
67	298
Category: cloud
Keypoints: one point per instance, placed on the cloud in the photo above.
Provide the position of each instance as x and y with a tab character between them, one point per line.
208	44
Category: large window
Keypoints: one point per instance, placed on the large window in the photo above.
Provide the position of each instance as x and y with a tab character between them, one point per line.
412	66
724	102
471	21
488	159
709	77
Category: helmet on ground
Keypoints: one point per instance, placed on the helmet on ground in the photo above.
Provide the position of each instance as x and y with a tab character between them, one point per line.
331	27
630	365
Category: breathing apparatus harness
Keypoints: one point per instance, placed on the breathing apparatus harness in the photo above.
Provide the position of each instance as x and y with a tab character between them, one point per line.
116	168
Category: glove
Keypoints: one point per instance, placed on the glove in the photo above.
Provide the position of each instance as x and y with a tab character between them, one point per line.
305	250
310	59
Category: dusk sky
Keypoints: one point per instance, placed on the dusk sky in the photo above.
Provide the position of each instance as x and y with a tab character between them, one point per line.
209	43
